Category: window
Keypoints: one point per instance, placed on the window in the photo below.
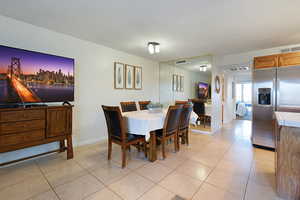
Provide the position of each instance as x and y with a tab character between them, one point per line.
243	92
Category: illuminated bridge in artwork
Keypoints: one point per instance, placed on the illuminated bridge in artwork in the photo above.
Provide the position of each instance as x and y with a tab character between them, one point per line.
14	74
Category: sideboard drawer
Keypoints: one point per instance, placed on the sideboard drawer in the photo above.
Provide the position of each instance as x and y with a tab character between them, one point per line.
21	138
11	116
15	127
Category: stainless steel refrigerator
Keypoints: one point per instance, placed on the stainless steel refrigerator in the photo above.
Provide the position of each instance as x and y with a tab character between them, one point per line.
274	89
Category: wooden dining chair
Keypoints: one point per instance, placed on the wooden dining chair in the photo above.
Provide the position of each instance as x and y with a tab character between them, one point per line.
117	132
170	128
181	102
199	109
144	104
184	122
128	106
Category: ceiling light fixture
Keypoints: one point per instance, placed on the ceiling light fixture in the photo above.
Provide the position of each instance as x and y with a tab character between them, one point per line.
153	47
203	68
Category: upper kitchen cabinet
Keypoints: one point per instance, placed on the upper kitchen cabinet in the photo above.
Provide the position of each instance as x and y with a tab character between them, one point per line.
289	59
266	62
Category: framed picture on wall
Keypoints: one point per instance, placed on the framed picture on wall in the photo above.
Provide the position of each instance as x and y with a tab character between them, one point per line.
119	69
175	82
181	85
129	77
138	78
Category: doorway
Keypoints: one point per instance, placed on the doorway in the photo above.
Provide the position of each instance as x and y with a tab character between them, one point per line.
243	93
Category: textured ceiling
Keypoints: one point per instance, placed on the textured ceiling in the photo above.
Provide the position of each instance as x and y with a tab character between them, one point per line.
184	28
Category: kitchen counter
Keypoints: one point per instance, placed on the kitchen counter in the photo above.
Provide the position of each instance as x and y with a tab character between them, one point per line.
291	119
287	152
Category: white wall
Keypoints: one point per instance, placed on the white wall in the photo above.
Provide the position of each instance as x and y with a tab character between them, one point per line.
93	77
216	99
167	95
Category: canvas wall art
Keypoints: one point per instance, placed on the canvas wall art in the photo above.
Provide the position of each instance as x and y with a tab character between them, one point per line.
138	78
119	75
129	76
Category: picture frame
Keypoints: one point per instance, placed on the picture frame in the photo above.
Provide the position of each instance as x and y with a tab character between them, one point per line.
181	85
217	84
138	78
175	82
119	73
129	77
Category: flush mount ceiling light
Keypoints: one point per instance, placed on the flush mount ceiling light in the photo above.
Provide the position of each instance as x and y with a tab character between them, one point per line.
203	68
153	47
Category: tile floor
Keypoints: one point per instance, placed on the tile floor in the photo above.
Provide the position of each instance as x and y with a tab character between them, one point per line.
223	166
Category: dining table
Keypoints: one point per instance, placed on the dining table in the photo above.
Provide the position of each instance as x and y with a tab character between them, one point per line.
146	122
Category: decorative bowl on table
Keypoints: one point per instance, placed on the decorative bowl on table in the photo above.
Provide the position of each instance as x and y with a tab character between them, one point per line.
155	107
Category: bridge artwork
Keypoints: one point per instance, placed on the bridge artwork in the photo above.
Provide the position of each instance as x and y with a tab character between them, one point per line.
14	76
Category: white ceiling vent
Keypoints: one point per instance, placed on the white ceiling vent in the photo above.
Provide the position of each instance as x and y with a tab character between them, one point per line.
180	62
293	49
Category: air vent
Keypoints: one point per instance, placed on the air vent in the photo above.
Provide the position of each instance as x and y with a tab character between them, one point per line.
293	49
180	62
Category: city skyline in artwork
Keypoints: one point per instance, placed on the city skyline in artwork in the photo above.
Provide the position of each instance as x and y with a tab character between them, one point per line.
30	77
32	62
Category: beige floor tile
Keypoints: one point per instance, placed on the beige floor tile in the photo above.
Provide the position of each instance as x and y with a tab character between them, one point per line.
110	173
50	195
154	171
25	189
19	172
255	191
194	169
91	162
208	159
180	184
104	194
234	167
65	174
232	182
172	161
157	193
79	188
210	192
53	162
263	173
131	186
264	155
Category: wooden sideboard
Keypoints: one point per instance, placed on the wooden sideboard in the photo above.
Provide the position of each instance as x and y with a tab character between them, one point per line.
26	127
277	60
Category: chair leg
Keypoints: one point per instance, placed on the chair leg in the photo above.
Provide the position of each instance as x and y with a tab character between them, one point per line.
123	156
187	137
163	148
109	149
176	142
145	149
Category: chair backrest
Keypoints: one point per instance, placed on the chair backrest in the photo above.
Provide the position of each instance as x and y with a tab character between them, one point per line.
114	122
185	116
128	106
181	103
144	104
172	120
199	107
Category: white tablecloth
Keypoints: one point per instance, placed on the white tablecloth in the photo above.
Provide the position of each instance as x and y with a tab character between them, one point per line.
143	122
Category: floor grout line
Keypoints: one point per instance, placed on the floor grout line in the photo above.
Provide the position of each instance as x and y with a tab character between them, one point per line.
52	188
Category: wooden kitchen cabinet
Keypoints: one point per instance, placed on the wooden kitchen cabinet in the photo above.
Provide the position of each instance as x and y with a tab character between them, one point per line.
289	59
265	62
